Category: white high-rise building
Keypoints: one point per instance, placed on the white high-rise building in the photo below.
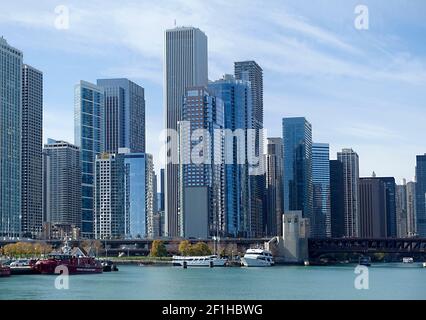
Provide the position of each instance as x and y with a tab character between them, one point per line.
185	65
350	161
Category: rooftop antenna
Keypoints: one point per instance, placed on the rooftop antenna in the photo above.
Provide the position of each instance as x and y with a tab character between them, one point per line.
175	23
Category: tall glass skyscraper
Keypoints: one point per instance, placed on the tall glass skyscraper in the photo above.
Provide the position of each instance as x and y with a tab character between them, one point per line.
321	218
337	200
186	64
10	139
32	140
88	104
274	187
421	195
252	72
201	175
124	195
123	115
350	161
238	117
298	193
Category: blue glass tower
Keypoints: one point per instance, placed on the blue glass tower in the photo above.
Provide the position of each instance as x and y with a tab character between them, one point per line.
321	218
88	106
297	138
123	115
421	196
238	115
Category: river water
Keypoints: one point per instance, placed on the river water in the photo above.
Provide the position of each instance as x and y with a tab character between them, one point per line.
385	281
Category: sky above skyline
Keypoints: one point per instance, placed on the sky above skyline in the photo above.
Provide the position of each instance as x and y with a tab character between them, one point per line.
360	89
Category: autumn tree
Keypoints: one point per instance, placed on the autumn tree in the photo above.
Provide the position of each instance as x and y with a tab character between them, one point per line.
158	249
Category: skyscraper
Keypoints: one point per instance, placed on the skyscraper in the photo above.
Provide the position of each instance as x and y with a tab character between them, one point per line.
124	195
108	209
238	117
337	199
401	210
274	187
252	72
10	139
123	115
88	104
201	165
186	65
372	208
411	210
32	136
62	184
298	193
390	188
421	195
350	161
321	217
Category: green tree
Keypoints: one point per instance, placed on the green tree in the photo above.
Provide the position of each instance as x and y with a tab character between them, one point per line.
185	247
200	249
158	249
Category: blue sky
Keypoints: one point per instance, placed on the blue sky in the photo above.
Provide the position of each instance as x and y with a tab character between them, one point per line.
364	89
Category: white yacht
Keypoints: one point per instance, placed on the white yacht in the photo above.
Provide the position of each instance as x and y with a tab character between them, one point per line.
257	258
202	261
408	260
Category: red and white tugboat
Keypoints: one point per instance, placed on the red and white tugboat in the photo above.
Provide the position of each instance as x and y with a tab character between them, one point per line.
4	271
76	263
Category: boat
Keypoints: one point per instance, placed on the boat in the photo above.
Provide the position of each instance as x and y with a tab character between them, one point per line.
108	266
199	261
257	258
408	260
365	261
76	263
23	266
424	264
4	271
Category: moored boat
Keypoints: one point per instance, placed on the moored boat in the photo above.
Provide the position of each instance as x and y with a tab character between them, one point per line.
201	261
257	258
408	260
108	266
23	266
75	263
365	261
4	271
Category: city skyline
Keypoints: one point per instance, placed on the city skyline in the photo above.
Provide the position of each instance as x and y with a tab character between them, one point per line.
382	73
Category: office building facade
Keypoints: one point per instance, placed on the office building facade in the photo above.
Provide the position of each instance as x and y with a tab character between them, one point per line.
372	209
337	199
250	71
31	154
185	65
411	210
201	171
321	217
124	196
10	139
297	190
421	195
350	161
123	115
88	106
62	184
238	117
